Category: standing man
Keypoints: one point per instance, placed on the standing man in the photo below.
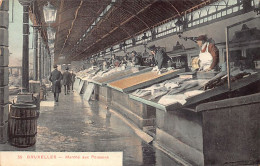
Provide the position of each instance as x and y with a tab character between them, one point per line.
55	78
209	54
73	76
66	80
160	57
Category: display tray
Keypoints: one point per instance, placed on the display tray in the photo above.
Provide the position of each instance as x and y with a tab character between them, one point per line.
142	80
218	93
154	102
120	75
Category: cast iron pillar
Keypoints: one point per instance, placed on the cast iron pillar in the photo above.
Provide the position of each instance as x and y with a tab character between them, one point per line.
43	61
25	60
35	53
40	59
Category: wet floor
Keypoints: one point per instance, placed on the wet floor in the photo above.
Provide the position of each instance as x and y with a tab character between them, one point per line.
74	125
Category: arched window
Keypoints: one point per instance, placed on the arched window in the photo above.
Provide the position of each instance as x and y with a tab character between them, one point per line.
196	15
222	5
203	14
212	9
232	2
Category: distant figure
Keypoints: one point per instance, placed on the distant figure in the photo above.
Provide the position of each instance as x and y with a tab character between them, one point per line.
66	80
73	76
55	78
115	61
136	59
160	57
209	54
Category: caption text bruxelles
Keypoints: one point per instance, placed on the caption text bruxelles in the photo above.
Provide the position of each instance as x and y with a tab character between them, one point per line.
64	157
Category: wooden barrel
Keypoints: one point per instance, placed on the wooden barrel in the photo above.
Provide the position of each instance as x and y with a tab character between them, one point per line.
23	124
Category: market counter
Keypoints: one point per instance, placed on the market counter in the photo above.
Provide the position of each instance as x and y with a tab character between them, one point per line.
103	92
141	114
215	133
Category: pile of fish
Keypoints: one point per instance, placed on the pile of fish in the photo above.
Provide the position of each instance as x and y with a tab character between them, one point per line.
88	73
112	71
95	72
177	91
169	88
221	78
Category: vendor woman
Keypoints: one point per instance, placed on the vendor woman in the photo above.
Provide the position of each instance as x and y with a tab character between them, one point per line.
209	54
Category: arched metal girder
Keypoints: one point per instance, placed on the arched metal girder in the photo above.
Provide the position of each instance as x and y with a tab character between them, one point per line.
133	15
174	8
72	25
136	17
90	46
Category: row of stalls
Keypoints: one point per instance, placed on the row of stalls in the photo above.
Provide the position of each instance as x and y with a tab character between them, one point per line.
194	116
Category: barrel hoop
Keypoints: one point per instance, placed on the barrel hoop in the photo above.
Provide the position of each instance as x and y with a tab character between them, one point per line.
23	136
26	118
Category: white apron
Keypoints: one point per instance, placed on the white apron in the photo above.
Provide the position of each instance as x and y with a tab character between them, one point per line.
205	59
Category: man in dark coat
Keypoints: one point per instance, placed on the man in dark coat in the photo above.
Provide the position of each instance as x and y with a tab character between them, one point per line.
160	57
55	78
136	59
66	80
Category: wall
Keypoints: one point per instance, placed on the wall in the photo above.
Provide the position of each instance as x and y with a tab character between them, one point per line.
215	30
4	61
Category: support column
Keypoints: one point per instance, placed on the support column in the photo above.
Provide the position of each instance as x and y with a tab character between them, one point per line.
39	55
43	61
50	67
42	54
46	65
4	77
35	53
25	61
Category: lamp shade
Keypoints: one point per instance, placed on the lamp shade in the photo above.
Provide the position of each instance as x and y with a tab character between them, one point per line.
25	2
49	12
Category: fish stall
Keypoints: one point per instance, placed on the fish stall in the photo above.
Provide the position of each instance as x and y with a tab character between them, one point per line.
102	92
194	112
141	114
